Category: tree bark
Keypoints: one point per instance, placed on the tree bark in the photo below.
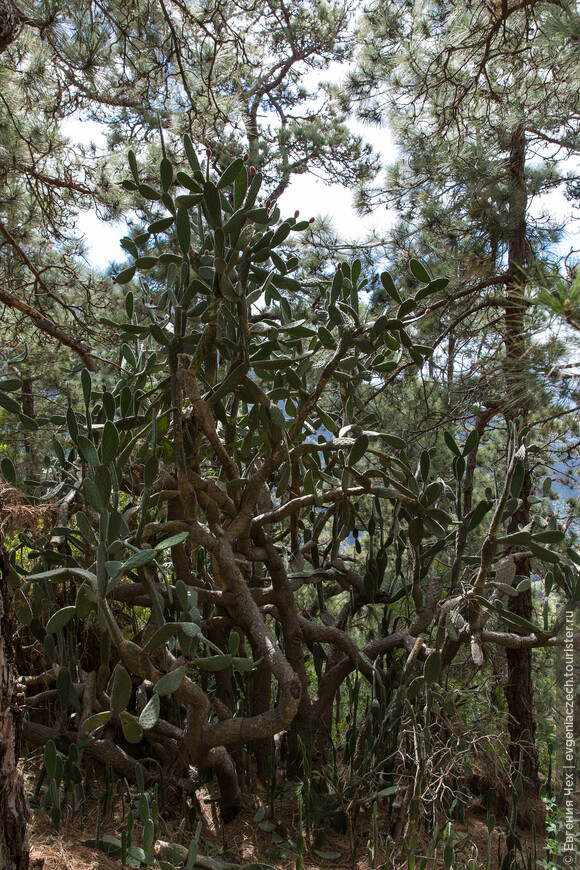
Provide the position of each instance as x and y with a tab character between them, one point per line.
14	811
519	688
10	24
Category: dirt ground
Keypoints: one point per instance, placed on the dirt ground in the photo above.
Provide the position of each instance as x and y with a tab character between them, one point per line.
243	842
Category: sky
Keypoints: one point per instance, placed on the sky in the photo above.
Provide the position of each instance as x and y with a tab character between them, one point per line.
306	193
311	195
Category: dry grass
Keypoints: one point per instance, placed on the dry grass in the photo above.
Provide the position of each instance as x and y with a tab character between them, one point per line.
64	849
240	842
16	514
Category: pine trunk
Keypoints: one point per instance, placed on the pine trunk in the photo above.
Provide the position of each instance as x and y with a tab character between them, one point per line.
13	807
9	24
519	688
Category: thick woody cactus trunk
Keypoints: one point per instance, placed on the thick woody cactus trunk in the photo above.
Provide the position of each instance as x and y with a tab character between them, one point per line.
13	806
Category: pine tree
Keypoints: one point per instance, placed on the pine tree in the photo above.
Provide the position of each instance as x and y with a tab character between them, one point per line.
237	79
482	100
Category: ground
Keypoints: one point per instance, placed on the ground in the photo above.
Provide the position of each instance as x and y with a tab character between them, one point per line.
241	842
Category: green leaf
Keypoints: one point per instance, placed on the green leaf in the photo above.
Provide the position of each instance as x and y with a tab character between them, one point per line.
86	385
150	471
326	338
549	536
514	538
458	467
121	691
66	693
432	287
50	756
419	271
28	422
277	415
85	528
386	792
88	451
214	663
191	629
517	479
253	190
416	531
543	553
213	203
385	367
187	201
432	667
480	510
260	814
9	404
518	623
173	541
133	165
448	856
170	682
258	216
415	687
125	276
416	356
161	225
235	222
432	492
405	308
546	487
141	557
97	721
389	285
8	471
158	334
103	483
144	263
424	464
470	442
327	856
109	442
358	449
10	384
150	713
131	727
183	229
231	173
59	619
190	153
506	590
93	495
394	441
21	357
160	636
243	663
280	234
166	173
148	192
166	259
282	484
451	443
240	189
